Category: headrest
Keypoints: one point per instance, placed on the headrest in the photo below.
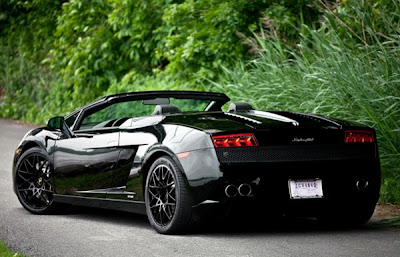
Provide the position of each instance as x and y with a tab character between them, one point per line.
162	109
240	107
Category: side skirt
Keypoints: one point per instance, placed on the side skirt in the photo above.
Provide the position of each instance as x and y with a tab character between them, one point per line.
113	204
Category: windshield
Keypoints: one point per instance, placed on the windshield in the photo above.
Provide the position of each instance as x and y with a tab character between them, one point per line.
115	114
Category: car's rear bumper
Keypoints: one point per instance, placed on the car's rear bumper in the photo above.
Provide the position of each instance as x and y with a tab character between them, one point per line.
341	177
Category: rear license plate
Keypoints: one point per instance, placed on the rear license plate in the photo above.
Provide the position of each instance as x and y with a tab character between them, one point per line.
305	189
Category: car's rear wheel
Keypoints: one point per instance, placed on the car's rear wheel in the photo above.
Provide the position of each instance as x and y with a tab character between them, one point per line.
349	216
361	214
33	181
168	202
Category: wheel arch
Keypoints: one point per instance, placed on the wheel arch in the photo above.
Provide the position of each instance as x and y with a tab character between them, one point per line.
40	137
28	145
153	155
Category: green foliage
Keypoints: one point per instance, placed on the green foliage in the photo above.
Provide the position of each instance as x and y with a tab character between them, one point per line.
5	252
28	26
99	42
202	35
69	53
26	34
322	74
366	20
25	84
82	52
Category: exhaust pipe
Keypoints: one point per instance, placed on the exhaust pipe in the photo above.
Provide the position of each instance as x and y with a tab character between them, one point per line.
244	189
362	185
231	191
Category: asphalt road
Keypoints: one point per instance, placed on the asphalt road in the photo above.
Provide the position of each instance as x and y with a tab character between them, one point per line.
94	232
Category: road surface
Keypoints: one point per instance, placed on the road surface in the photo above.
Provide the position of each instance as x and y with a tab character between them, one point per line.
94	232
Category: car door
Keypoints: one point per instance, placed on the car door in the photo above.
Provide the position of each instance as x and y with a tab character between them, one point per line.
92	162
84	164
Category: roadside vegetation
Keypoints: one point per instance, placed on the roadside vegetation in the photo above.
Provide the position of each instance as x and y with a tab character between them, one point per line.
5	252
328	73
336	58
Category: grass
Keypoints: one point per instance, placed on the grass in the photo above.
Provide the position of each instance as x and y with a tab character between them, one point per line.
324	75
5	252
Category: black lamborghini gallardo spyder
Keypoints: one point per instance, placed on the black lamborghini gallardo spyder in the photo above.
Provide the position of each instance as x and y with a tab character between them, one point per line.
169	153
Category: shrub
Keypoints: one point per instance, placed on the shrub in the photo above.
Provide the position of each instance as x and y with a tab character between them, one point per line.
323	74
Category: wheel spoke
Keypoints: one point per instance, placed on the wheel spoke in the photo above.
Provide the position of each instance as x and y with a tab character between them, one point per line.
24	190
26	163
172	197
20	185
36	162
26	172
24	179
158	216
165	172
44	200
169	178
168	213
41	165
154	195
156	175
152	186
30	199
47	181
154	206
27	160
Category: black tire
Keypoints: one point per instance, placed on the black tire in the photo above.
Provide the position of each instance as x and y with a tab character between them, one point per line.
361	214
350	216
33	181
168	202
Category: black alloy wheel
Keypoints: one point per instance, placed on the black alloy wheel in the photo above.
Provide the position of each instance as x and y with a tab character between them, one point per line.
33	181
168	204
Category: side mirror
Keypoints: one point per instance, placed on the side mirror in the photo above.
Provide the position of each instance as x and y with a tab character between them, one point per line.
55	122
59	123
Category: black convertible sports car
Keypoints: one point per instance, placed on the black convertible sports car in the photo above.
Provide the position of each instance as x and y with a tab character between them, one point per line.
169	153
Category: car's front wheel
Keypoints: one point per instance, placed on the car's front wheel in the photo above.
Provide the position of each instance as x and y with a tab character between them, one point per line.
168	202
33	181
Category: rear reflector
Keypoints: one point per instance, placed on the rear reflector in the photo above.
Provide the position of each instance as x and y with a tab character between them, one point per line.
359	136
235	140
182	155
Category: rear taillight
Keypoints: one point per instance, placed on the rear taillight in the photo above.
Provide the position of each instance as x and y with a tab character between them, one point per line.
359	136
235	140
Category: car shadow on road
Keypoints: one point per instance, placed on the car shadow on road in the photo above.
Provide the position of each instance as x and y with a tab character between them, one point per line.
290	225
214	226
105	215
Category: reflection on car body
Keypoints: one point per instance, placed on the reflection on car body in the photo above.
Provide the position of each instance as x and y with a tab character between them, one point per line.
168	153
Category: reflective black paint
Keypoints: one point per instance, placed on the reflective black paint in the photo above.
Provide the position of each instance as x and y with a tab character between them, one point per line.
107	167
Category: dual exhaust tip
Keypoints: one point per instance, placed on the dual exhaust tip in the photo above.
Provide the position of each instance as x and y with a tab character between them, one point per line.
362	185
243	190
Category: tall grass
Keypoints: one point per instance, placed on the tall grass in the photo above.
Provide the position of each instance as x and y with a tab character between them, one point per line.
25	85
325	74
